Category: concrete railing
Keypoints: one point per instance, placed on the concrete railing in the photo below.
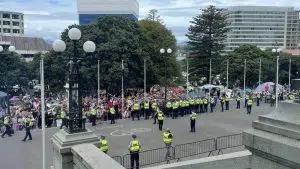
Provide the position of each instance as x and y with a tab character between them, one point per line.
88	156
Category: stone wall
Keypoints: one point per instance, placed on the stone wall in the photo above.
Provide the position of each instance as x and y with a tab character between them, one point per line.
237	160
88	156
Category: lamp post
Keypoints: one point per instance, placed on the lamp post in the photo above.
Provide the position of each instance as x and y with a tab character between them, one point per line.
162	51
276	51
11	50
245	71
259	76
74	115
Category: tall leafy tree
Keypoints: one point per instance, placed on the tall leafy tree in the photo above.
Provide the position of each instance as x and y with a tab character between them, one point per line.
206	35
155	37
153	15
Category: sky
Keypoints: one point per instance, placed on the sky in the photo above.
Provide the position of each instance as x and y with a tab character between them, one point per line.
48	18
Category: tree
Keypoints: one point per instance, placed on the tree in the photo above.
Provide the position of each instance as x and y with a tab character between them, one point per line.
13	70
206	35
154	16
155	37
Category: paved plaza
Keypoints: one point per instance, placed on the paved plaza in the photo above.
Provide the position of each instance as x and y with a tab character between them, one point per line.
18	155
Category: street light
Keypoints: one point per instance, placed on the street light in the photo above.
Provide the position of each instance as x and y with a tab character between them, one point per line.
276	51
74	115
162	51
11	50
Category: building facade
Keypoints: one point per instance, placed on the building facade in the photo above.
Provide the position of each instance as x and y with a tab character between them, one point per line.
91	10
263	26
11	24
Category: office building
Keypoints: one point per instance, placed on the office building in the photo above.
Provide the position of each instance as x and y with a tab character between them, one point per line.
11	24
263	26
91	10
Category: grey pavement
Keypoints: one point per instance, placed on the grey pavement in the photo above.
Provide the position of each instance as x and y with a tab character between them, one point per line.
18	155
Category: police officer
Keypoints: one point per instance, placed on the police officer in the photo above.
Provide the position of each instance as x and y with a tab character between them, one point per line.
147	109
238	101
200	105
7	127
168	108
27	124
192	104
160	118
182	106
186	107
212	104
249	105
175	109
193	117
168	138
246	99
205	106
63	119
197	104
154	111
134	149
257	99
112	112
222	100
103	145
93	115
227	102
136	111
273	100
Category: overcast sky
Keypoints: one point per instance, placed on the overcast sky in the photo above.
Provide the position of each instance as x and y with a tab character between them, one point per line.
48	18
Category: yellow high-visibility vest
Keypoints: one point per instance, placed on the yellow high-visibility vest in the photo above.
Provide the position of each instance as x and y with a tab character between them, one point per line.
103	146
193	116
160	116
250	102
134	146
166	137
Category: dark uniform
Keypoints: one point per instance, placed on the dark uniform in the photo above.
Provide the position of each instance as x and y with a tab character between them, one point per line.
147	110
112	112
238	102
7	128
257	99
205	106
249	105
212	104
134	149
222	100
27	124
93	115
160	118
154	113
63	119
193	121
227	102
136	111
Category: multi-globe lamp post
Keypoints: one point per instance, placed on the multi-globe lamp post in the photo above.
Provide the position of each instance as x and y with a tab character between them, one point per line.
74	114
10	51
162	52
276	51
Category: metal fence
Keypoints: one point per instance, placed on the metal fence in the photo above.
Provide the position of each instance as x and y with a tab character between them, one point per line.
229	141
159	155
118	159
149	157
195	148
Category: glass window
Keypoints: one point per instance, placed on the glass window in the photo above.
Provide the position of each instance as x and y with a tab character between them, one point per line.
14	16
6	30
6	15
16	23
16	30
6	22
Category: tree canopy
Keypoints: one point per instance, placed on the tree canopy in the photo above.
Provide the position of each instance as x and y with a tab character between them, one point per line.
116	39
206	35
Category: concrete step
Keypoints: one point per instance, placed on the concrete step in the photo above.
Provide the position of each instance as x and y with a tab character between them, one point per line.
272	120
277	129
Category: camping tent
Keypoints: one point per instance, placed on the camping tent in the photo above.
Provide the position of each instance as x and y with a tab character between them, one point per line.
268	86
